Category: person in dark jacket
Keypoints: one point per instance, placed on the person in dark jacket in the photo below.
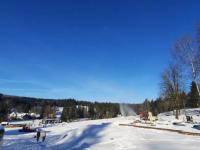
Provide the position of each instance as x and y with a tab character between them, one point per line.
43	135
38	135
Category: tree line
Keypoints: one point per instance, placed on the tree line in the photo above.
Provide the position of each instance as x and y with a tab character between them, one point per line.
73	109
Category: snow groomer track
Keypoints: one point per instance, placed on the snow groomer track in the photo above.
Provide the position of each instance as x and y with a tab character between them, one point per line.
162	129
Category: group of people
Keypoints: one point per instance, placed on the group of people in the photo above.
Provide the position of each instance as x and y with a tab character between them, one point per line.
42	134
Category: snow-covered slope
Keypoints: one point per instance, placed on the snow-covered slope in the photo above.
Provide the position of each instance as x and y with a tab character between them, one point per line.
102	134
168	116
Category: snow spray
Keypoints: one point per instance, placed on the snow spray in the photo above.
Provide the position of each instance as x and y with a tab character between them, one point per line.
126	110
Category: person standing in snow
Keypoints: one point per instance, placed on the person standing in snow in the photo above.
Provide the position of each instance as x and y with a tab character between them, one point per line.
43	136
38	135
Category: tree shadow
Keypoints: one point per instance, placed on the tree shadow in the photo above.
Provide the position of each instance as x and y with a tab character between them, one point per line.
88	137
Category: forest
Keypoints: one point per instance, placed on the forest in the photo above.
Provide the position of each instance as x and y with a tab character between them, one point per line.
45	107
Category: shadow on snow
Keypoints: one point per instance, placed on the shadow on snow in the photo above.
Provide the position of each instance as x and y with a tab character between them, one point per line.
88	137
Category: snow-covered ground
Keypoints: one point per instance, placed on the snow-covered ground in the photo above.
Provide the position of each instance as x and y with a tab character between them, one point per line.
102	134
166	120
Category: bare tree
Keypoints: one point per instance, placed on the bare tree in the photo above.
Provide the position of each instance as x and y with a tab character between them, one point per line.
198	47
187	53
172	85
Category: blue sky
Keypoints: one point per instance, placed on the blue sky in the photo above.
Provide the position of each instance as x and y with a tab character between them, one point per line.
106	50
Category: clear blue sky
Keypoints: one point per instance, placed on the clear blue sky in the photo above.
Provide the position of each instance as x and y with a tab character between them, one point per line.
106	50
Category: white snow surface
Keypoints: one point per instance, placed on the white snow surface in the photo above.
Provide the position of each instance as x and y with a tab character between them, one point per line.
105	134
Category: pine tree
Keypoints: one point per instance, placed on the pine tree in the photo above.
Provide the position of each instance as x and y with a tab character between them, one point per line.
64	115
80	113
193	96
72	113
3	111
92	112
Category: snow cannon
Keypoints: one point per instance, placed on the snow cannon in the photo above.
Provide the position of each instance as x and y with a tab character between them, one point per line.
1	135
141	115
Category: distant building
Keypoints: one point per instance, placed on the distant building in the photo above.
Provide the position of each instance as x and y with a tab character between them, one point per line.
22	116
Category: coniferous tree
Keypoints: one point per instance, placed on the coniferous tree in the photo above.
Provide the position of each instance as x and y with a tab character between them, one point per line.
64	115
3	111
193	96
80	113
